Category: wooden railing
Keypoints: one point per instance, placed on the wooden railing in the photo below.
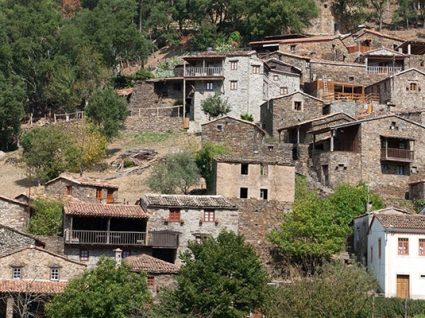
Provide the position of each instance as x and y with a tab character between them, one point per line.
384	69
366	98
164	239
396	154
105	237
193	71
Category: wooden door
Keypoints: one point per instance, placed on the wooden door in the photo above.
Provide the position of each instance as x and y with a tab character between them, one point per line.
403	286
110	197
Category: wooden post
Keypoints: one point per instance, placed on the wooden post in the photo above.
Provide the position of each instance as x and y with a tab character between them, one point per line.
108	229
184	91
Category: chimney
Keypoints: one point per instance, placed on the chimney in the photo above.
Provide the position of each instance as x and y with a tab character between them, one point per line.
118	256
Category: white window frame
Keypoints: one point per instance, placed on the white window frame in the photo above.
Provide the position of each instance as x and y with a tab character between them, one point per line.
54	274
17	272
209	86
256	69
233	65
233	85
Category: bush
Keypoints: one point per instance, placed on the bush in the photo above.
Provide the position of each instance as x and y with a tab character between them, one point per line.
397	307
47	218
419	205
205	161
215	106
142	74
247	117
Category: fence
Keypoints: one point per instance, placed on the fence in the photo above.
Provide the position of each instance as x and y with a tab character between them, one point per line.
68	116
162	111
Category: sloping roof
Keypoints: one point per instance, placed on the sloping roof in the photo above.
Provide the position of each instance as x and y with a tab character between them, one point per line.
348	117
319	38
387	210
104	210
13	201
83	181
150	264
23	234
297	92
401	221
383	35
417	47
397	74
235	119
187	201
383	52
275	160
29	286
301	57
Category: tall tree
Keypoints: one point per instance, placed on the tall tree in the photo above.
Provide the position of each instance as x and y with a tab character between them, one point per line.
379	7
351	13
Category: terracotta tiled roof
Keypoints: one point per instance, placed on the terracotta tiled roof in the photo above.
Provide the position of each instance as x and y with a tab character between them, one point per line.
105	210
215	54
36	287
187	201
404	222
256	159
84	181
150	264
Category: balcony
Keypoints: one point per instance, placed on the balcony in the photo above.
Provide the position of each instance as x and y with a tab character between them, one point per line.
358	97
386	70
396	154
105	237
164	239
193	71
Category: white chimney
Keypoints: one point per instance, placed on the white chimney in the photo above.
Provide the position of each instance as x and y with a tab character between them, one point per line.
118	256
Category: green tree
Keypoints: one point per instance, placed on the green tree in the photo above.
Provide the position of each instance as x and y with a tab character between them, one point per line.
215	106
107	291
205	161
336	290
247	117
220	277
205	37
351	13
178	172
47	217
379	9
405	12
108	111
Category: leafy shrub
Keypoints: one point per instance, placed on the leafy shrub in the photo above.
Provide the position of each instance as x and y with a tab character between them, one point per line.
247	117
142	74
419	205
47	217
215	106
205	161
397	307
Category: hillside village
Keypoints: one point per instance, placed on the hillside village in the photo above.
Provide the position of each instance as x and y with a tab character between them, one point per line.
312	152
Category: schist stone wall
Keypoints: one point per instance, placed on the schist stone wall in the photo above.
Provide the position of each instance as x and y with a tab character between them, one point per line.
11	240
14	215
160	121
155	94
333	50
279	84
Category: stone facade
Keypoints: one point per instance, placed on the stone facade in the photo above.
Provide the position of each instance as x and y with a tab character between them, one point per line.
14	214
154	93
417	190
12	239
289	110
264	179
165	120
325	23
239	136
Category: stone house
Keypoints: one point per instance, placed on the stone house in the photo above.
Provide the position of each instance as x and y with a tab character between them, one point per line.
403	91
383	61
12	239
92	230
14	214
417	189
190	217
84	189
416	52
255	177
33	271
361	225
281	78
396	246
289	110
239	136
386	152
160	274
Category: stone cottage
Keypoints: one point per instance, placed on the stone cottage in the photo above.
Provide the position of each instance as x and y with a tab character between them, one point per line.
12	239
84	189
191	217
14	214
255	177
385	152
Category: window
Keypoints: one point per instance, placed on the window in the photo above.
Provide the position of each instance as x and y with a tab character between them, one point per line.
292	48
298	105
174	215
393	126
210	86
401	170
54	274
283	90
351	78
403	246
68	190
84	255
233	65
200	237
264	194
275	77
99	194
126	254
243	193
151	281
233	85
413	87
209	215
110	196
422	247
379	248
256	69
17	272
220	127
264	169
244	168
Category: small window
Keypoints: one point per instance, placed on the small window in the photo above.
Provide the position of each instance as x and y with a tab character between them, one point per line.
151	281
275	77
379	248
284	91
84	255
209	215
292	48
99	194
403	246
68	190
325	5
233	85
209	86
243	193
200	237
17	273
54	274
422	247
413	87
174	215
351	78
220	127
256	69
401	170
110	196
264	169
270	148
244	168
298	106
126	253
393	126
264	194
233	65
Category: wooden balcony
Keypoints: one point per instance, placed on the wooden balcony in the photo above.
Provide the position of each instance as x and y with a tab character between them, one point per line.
193	71
358	97
105	237
395	154
386	70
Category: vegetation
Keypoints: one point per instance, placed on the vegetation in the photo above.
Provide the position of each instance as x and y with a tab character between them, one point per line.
178	172
247	117
46	218
205	161
317	228
107	291
220	277
352	13
215	106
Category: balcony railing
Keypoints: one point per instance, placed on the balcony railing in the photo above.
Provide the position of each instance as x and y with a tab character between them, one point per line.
105	237
384	69
193	71
396	154
364	98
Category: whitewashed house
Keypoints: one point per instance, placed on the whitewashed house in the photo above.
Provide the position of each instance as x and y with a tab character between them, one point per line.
396	254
